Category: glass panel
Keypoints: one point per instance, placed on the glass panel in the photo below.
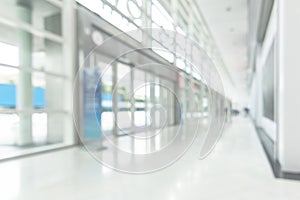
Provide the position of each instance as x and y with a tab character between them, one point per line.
106	77
8	87
124	87
34	106
149	98
107	117
47	56
39	90
40	13
124	122
20	48
9	54
55	91
269	84
180	63
127	19
39	128
170	99
124	98
107	121
162	51
205	101
9	124
139	98
161	17
57	125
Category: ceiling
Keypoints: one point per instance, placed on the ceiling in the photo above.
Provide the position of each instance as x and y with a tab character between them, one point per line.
228	23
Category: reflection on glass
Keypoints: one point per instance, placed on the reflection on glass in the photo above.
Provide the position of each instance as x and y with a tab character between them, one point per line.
130	9
8	87
9	54
40	12
161	17
124	88
107	118
33	81
39	128
9	124
139	98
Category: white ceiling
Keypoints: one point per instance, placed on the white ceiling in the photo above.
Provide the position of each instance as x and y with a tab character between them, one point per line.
228	23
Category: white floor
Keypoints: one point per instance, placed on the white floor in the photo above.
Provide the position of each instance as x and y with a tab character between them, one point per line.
236	169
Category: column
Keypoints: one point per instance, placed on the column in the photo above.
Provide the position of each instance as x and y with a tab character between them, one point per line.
24	88
55	86
115	97
132	100
69	31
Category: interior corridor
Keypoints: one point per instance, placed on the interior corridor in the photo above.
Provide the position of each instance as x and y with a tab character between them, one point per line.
149	99
237	166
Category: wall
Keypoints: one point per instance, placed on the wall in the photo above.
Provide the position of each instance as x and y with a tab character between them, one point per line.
260	60
289	85
283	30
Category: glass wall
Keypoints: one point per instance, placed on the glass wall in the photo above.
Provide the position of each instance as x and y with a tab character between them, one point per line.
33	79
138	96
129	97
163	25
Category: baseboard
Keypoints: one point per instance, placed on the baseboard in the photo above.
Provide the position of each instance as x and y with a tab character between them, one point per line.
269	148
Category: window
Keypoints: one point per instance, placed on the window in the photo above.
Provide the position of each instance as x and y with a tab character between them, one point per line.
34	84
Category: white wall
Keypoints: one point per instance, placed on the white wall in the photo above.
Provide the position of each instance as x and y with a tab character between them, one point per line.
289	85
256	93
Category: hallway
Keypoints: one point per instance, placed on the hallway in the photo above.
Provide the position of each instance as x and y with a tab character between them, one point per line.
236	169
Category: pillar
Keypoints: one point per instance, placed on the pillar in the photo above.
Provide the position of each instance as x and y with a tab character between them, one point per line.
24	87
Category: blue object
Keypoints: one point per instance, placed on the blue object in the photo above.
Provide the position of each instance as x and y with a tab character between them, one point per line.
92	104
8	96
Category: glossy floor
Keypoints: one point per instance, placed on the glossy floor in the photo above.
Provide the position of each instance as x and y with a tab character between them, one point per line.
236	169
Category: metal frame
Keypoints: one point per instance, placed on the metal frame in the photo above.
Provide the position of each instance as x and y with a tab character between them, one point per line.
176	7
31	29
68	45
